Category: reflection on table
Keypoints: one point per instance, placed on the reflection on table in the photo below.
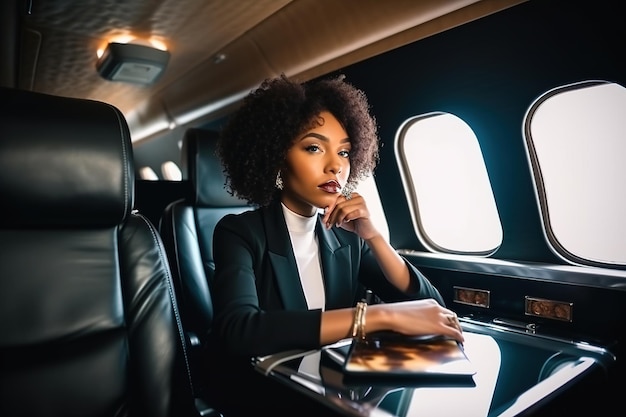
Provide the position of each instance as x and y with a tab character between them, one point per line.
515	372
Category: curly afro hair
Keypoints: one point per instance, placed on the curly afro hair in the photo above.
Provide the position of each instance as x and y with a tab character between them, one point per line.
254	142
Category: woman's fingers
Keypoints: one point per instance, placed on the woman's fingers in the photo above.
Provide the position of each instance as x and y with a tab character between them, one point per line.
427	316
343	210
452	326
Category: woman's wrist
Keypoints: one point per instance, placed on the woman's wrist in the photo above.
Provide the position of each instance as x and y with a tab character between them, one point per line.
371	239
378	318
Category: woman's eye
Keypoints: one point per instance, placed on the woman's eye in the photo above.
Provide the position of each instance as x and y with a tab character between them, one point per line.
312	148
345	154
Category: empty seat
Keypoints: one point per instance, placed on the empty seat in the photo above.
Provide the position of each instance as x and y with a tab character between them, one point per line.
187	230
88	318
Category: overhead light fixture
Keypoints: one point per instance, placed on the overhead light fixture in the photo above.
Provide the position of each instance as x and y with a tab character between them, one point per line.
132	63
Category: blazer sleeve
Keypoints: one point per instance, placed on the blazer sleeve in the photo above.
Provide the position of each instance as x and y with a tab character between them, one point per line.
243	325
373	278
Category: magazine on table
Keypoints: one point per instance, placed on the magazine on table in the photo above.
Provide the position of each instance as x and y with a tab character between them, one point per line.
389	354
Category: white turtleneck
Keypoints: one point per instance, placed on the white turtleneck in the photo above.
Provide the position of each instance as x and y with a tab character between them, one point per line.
306	249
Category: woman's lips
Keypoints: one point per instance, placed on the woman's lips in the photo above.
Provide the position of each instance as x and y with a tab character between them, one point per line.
330	187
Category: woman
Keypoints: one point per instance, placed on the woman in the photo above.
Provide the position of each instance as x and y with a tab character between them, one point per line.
288	274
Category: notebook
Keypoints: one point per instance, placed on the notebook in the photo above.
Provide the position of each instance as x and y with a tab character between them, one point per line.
391	355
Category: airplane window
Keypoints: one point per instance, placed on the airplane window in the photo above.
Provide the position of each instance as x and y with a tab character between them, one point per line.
445	177
576	145
171	171
147	173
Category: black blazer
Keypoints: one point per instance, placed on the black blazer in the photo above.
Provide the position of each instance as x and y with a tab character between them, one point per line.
260	307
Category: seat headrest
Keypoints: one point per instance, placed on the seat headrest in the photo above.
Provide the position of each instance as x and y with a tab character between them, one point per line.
64	162
204	170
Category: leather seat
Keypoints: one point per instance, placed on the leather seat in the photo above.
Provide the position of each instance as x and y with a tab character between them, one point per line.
88	319
186	228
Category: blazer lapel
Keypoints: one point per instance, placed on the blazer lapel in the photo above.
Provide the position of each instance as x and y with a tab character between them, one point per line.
337	267
335	258
282	259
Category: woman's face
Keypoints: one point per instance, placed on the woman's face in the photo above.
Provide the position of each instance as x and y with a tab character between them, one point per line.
317	167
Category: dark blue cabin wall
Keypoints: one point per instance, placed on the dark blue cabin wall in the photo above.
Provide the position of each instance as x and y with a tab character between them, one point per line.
488	72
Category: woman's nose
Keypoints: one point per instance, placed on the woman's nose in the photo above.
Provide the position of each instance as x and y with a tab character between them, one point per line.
335	165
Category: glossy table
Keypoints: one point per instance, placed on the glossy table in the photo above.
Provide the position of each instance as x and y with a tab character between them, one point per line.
517	372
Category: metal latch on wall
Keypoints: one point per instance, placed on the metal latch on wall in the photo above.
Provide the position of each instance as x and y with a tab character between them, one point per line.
529	327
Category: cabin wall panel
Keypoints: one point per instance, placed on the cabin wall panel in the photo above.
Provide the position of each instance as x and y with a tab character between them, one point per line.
488	72
599	312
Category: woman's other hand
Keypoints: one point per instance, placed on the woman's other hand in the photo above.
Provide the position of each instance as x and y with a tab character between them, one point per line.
415	318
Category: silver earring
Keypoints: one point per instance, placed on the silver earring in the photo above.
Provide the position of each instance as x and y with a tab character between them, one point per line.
279	181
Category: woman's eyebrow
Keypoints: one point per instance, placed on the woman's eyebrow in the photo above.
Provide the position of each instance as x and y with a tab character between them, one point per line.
322	137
